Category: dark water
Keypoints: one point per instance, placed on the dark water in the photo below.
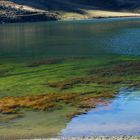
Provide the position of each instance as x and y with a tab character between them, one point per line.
77	38
120	117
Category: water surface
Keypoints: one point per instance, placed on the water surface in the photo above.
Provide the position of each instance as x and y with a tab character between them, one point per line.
105	40
120	117
71	38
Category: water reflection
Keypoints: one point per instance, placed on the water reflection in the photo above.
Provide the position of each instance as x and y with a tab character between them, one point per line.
121	117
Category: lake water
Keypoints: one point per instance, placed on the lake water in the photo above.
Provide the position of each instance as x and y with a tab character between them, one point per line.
89	38
71	38
119	117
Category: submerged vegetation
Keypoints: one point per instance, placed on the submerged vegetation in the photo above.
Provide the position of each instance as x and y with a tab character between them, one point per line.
110	75
52	84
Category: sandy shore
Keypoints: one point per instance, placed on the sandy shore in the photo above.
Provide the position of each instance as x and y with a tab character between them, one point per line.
91	14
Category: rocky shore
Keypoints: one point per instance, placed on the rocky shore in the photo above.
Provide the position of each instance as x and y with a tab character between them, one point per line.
92	138
11	12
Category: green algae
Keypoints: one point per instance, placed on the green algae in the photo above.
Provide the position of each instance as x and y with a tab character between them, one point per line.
50	79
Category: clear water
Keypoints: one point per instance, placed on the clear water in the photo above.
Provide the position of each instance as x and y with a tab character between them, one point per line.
76	38
120	117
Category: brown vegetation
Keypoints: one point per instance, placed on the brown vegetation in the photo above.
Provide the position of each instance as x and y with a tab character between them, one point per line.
10	105
123	69
49	102
45	62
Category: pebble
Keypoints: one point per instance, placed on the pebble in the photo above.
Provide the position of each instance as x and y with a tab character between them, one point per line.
90	138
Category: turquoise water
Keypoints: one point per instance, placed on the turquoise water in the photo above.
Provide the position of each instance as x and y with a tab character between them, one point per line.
121	116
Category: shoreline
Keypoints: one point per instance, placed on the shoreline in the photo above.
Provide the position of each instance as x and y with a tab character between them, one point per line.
13	12
36	17
91	138
41	17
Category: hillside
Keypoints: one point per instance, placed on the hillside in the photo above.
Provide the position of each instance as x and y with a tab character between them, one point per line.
39	10
70	5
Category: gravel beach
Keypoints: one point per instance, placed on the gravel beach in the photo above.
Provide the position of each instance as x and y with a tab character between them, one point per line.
90	138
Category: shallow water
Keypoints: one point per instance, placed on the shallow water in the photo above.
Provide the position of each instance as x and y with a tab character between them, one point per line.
120	117
101	38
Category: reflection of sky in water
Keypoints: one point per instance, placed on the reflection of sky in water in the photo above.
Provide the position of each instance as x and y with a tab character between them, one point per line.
121	117
126	42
